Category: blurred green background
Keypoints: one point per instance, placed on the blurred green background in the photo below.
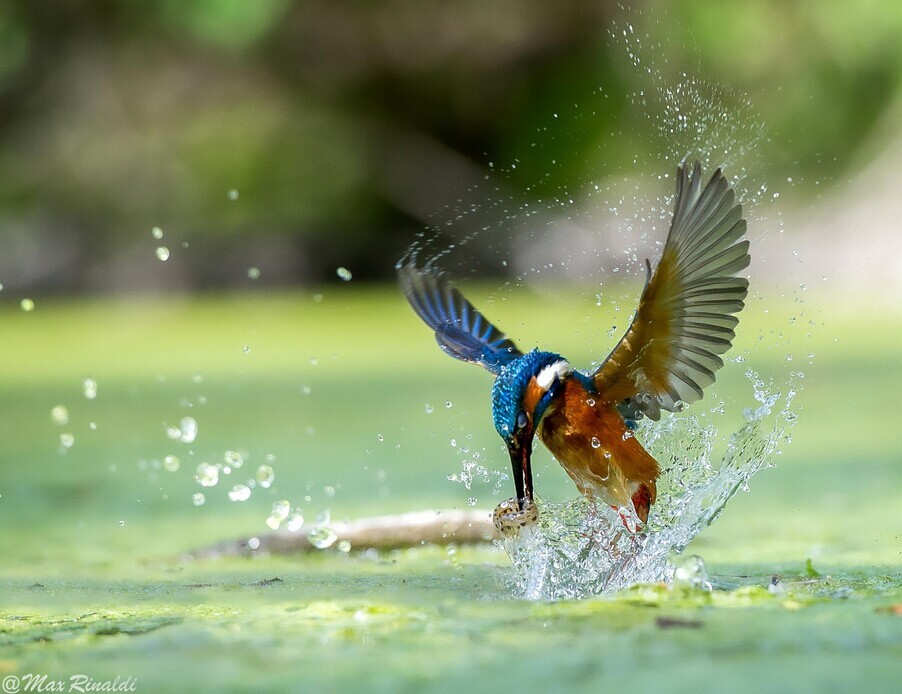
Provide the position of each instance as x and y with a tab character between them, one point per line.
288	153
345	127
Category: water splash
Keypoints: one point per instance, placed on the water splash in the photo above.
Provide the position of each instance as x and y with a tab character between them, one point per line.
578	548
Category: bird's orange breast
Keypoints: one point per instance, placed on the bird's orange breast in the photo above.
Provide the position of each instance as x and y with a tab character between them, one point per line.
593	444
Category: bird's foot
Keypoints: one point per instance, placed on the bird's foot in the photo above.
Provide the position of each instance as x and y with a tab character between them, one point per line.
510	516
630	520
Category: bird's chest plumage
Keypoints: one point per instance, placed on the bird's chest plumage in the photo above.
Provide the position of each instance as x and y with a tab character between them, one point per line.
592	443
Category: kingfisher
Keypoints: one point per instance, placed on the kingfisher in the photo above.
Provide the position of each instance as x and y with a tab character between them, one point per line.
685	321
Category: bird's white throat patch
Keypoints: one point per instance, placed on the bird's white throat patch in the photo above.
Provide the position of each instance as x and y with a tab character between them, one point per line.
558	369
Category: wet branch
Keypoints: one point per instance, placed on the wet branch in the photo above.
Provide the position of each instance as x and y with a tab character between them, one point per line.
379	532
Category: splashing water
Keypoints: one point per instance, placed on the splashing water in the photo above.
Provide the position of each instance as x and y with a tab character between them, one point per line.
577	548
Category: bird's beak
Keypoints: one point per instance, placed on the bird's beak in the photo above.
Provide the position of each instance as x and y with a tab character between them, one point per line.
520	452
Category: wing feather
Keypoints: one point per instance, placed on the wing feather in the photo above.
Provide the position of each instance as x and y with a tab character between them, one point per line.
460	330
685	320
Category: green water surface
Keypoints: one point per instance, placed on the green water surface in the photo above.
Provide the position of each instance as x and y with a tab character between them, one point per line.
348	395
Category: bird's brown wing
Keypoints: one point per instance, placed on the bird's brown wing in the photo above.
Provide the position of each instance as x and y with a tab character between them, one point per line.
685	318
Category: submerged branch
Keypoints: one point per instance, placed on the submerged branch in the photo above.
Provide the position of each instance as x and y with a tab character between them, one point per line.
379	532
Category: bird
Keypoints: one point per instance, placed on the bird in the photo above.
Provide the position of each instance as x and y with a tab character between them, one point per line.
685	321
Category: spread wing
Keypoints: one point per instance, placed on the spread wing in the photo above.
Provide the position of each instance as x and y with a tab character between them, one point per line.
685	318
461	330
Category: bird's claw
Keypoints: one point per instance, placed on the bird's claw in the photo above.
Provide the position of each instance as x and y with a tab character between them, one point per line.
510	516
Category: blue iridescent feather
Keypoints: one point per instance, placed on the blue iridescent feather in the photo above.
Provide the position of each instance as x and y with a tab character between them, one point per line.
460	330
510	386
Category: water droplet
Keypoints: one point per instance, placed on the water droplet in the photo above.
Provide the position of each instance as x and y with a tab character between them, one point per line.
595	442
253	543
233	195
253	273
280	509
188	430
207	475
92	426
198	499
453	443
471	501
246	349
239	492
690	572
324	517
380	437
329	491
173	433
90	388
171	463
322	537
429	408
295	521
306	390
157	233
265	476
233	459
449	404
122	524
60	415
344	546
67	440
273	522
27	305
162	253
344	274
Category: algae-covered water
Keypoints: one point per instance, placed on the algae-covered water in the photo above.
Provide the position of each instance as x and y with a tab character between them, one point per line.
804	568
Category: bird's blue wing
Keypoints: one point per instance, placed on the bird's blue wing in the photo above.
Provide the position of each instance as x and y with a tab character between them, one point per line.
461	330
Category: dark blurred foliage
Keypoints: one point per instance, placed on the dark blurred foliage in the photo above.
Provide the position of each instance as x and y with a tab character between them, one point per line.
344	125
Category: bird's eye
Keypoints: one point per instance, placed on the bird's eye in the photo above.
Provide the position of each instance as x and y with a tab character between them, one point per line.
522	421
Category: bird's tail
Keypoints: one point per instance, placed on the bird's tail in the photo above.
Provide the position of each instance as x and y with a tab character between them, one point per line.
643	498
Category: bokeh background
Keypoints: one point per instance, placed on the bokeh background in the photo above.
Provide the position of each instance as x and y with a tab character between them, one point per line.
298	137
201	206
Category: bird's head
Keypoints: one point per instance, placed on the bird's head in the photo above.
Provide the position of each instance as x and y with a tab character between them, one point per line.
523	391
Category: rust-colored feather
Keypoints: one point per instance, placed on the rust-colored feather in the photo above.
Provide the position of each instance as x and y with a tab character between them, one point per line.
593	444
